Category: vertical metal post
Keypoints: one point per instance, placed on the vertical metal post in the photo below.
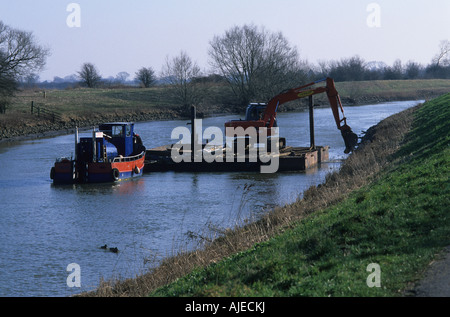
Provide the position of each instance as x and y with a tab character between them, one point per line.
76	143
94	146
32	106
311	122
193	132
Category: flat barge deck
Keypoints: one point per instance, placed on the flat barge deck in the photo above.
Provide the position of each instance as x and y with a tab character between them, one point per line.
289	159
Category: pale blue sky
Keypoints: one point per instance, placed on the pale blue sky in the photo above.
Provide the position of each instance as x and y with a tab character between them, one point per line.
126	35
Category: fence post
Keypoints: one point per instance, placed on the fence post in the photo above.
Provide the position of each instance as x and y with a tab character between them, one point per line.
32	105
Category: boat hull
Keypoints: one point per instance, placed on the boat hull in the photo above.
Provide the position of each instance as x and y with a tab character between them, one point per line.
119	169
63	172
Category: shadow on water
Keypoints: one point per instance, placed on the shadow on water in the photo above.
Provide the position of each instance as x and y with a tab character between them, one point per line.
119	188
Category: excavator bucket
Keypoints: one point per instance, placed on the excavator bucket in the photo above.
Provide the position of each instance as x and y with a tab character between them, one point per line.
350	140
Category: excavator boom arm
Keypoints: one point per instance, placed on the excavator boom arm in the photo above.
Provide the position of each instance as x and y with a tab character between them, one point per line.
270	113
301	92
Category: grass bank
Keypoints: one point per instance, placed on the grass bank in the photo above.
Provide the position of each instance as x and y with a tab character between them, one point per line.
82	108
388	205
388	90
400	221
86	107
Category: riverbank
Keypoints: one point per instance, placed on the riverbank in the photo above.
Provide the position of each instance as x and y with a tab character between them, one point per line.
90	107
85	108
26	126
386	206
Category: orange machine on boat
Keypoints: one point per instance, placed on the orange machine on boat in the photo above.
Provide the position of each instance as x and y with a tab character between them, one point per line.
264	115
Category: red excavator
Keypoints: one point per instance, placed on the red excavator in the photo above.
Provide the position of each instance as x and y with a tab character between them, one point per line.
264	115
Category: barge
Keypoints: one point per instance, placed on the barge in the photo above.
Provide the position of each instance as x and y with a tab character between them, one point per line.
112	154
288	158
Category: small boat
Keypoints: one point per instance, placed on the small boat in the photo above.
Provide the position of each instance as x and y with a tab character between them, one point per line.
114	153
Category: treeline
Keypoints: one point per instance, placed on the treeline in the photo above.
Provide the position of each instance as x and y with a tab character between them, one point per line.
347	69
253	62
357	69
353	68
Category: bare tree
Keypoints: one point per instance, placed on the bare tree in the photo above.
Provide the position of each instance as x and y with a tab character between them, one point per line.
19	57
146	76
121	77
323	68
20	54
89	75
179	73
347	69
255	62
8	86
394	72
412	70
442	58
29	81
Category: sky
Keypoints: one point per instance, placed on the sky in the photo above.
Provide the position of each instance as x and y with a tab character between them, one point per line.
123	36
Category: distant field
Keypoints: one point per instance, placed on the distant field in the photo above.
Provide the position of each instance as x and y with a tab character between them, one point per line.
73	102
83	100
62	110
393	89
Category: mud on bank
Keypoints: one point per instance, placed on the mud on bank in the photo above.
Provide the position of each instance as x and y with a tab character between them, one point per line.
27	126
16	127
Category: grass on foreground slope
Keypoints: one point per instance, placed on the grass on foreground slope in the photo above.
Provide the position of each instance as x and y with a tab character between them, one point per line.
399	221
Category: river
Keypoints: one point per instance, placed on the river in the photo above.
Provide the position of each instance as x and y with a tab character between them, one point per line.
44	228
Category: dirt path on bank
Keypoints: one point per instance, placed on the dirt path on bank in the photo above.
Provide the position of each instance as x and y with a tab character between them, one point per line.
436	280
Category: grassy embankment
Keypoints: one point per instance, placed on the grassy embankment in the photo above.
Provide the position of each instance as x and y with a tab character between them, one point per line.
386	205
87	107
389	90
400	221
82	107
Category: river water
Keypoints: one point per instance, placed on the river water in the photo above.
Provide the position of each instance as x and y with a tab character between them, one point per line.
44	228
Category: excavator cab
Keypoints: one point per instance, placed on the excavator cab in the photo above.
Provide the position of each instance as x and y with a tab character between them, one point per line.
255	111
